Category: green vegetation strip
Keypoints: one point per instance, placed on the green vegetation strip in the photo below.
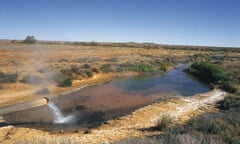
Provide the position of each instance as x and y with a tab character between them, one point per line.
211	74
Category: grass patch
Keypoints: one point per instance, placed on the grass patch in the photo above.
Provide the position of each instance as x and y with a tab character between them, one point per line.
209	73
212	74
143	68
164	122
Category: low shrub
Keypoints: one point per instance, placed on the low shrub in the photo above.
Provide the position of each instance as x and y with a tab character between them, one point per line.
89	73
160	65
112	59
95	70
234	140
86	66
32	79
106	68
43	91
8	78
43	69
11	78
164	122
62	80
208	124
229	102
143	68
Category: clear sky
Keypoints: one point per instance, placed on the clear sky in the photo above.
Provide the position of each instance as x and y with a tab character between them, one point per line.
188	22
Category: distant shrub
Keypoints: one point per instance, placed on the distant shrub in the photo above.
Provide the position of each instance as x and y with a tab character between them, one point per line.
86	66
89	73
160	65
143	68
11	77
112	59
29	40
43	69
106	68
43	91
8	78
95	70
32	79
62	80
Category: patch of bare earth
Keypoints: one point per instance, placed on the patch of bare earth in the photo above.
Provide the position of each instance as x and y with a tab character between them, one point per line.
181	109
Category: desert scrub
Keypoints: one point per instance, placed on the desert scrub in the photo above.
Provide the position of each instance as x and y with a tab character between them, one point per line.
62	80
208	124
164	122
8	78
32	79
229	102
160	65
112	59
89	73
43	91
106	68
143	68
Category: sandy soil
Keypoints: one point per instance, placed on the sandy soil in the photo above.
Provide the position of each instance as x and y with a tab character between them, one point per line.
181	109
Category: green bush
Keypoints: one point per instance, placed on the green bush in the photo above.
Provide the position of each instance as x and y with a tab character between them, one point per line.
29	40
11	78
62	80
8	78
89	73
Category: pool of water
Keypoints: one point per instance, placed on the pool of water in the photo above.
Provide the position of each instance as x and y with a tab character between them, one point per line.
175	80
93	105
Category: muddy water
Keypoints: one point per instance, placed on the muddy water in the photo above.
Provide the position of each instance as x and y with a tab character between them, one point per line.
93	105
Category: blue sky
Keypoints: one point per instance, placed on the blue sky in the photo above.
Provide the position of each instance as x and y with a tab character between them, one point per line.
188	22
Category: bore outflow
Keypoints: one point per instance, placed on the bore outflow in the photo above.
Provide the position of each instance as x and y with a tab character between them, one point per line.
23	106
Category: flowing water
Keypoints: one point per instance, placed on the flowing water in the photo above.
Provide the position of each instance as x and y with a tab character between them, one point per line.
58	116
93	105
